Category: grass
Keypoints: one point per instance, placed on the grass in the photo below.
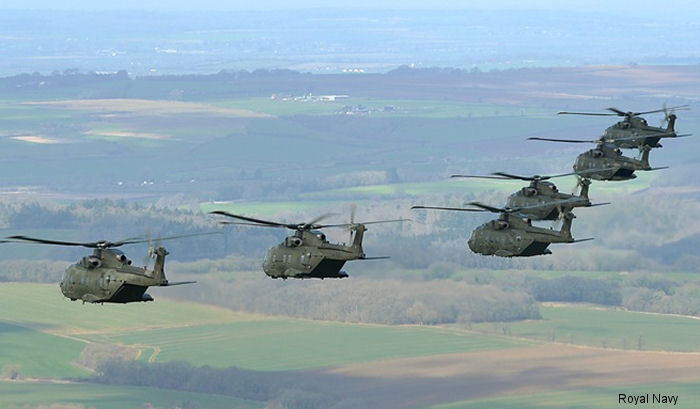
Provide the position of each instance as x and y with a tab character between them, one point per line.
33	394
213	336
605	327
36	354
287	344
589	398
43	307
401	107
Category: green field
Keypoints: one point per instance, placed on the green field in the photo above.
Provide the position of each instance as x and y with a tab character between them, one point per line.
590	398
401	107
279	345
166	330
37	354
605	327
33	394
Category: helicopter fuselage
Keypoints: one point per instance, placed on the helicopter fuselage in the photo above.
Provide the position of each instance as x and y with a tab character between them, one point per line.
108	276
610	163
308	254
541	194
515	237
635	132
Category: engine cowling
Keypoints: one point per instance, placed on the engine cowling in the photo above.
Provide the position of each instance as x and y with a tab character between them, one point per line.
293	242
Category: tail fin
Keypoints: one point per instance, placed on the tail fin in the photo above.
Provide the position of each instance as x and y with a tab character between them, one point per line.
671	123
359	231
159	266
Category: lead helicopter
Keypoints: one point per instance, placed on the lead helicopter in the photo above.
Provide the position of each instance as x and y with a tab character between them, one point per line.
606	161
307	253
512	235
537	201
634	131
107	276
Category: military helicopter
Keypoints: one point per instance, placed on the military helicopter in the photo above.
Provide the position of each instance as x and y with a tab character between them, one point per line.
307	253
536	201
107	274
606	161
634	131
512	235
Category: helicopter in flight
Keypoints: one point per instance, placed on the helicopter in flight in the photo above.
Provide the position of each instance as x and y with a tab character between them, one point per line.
606	161
537	201
307	253
633	131
512	235
107	276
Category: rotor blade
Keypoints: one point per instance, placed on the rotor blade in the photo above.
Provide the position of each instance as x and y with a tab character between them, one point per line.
323	226
640	136
457	209
45	241
666	109
487	207
247	224
150	239
619	112
479	177
511	176
249	219
536	138
584	113
313	222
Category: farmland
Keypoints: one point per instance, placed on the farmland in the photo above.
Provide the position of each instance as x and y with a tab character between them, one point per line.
358	357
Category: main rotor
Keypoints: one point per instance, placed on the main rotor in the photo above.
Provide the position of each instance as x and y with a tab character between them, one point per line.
299	227
627	114
100	244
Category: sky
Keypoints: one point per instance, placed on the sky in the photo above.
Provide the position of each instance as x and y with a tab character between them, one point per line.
681	7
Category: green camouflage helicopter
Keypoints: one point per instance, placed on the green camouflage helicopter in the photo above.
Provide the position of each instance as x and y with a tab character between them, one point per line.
634	131
307	253
107	276
536	201
606	161
512	235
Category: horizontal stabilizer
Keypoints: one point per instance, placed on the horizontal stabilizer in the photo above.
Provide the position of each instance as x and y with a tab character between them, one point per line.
599	204
659	168
375	258
170	284
580	240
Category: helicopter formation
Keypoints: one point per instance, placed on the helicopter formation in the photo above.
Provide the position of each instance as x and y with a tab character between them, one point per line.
512	234
108	276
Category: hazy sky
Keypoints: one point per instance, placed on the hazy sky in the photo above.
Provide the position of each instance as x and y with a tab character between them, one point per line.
680	7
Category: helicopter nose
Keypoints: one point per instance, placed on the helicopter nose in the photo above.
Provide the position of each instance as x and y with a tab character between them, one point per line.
472	243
